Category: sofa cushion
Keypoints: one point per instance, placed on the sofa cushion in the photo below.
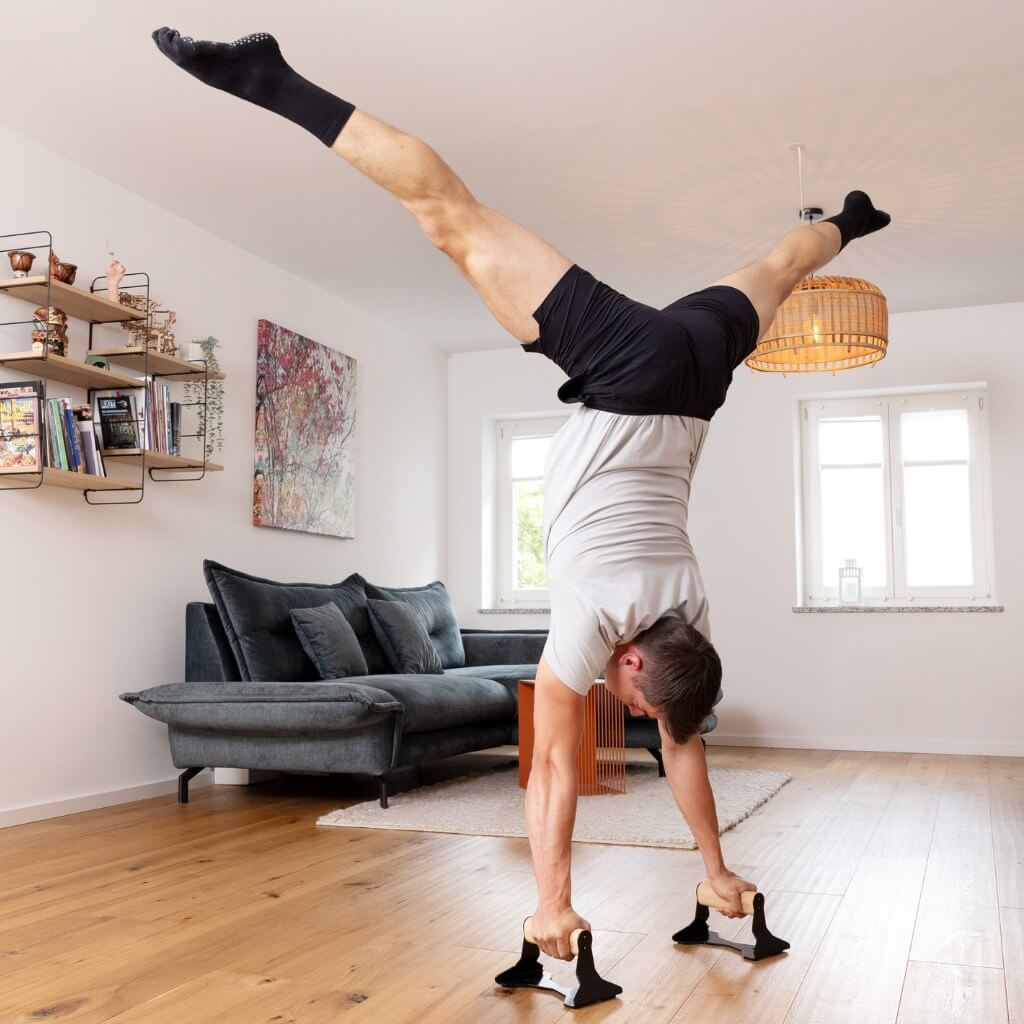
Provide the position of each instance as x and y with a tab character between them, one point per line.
443	701
436	612
403	637
329	641
267	708
503	646
507	675
256	615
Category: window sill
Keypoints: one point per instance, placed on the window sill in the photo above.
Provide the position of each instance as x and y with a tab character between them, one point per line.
856	608
513	611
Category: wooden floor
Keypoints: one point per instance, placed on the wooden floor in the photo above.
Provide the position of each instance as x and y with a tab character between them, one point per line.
898	879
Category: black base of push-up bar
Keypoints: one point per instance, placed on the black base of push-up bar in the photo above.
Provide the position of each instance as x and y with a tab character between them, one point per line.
590	987
764	945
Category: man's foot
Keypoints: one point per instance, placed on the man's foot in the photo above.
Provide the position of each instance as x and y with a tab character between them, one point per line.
858	218
254	69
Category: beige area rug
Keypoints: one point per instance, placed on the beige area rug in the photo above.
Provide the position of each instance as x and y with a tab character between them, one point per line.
491	804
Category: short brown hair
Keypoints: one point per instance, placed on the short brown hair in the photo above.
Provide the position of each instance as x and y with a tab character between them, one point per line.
681	674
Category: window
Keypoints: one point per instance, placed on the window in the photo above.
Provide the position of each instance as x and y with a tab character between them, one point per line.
899	483
522	448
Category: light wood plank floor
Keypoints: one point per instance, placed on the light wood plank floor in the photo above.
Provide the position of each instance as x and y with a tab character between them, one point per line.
898	879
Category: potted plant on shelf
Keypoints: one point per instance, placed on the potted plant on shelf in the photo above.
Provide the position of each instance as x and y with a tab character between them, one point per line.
211	415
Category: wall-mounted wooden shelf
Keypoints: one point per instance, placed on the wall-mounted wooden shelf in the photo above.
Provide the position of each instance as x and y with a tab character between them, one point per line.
157	460
74	301
135	357
64	478
96	308
68	371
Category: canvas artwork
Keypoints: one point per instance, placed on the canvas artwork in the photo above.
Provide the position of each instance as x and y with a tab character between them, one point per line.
305	435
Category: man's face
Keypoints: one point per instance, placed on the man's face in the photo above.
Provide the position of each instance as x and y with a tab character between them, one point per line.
620	679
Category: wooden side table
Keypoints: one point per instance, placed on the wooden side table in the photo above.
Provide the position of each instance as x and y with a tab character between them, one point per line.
601	758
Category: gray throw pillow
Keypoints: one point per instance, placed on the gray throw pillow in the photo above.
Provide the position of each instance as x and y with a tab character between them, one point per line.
329	641
256	615
404	638
436	612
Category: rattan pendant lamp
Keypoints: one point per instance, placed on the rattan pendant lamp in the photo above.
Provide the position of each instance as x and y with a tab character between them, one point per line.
828	323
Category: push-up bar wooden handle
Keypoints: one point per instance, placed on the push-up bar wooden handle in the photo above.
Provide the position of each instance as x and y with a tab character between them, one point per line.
574	937
707	897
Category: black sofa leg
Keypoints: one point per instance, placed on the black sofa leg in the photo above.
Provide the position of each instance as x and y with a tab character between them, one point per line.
383	782
656	754
183	781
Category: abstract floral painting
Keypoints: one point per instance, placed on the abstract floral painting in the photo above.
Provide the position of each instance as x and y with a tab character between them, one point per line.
305	435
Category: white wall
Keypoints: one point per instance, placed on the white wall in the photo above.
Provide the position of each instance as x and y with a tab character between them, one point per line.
92	601
889	681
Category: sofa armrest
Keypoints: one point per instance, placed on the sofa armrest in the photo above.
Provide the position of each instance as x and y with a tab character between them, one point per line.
503	647
269	708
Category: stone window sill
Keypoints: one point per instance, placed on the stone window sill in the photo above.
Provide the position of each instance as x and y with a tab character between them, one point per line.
897	608
513	611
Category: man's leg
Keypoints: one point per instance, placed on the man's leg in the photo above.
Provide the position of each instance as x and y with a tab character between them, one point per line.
512	268
767	282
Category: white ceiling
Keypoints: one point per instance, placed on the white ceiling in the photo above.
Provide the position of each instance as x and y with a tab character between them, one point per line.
647	139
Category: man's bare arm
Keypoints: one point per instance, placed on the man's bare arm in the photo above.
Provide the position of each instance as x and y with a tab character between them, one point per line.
687	771
551	808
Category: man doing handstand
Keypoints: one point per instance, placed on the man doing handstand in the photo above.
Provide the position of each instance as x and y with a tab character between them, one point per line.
626	592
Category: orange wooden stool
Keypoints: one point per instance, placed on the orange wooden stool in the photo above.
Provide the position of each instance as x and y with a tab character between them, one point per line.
601	758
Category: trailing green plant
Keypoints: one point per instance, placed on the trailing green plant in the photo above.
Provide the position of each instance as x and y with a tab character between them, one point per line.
210	416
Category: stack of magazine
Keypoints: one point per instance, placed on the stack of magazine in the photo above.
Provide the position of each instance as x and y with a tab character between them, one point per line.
19	426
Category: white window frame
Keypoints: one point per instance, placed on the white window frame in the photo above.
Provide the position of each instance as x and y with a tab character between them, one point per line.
506	431
973	398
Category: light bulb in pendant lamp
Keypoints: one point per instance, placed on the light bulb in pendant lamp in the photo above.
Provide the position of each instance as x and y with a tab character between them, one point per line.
826	324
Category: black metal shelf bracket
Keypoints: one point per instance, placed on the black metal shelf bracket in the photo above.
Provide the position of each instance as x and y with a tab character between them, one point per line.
43	432
93	288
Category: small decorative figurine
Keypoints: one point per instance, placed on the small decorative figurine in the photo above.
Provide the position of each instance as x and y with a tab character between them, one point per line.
155	331
52	331
64	272
115	271
21	263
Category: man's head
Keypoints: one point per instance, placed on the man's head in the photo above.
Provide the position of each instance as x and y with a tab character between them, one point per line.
670	671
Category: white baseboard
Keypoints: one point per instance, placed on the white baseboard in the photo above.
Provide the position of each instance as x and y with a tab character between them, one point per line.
91	801
242	776
868	743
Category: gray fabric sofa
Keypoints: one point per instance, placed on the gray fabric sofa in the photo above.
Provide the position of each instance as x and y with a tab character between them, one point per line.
378	724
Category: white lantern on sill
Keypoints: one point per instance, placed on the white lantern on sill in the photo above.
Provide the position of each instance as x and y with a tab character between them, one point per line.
850	582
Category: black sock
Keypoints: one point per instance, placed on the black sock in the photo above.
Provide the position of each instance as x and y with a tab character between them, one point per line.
254	69
858	218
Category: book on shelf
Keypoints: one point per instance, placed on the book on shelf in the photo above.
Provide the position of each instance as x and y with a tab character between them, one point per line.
74	448
119	423
64	441
56	431
143	417
161	426
176	408
20	427
87	438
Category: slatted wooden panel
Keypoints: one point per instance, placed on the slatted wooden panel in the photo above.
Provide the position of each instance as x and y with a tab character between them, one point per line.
601	758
